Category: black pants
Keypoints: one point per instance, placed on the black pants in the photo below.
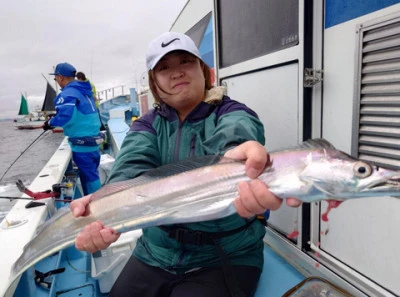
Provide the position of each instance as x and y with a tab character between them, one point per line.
140	280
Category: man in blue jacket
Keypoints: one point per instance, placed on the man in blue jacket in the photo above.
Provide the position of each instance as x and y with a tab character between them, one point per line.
77	115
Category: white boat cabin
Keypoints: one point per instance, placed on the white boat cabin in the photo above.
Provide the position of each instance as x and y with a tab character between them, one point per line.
314	69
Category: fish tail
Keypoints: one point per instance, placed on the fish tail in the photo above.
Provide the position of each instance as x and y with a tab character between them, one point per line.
57	233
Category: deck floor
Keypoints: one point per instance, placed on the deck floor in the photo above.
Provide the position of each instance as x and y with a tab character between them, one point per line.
278	275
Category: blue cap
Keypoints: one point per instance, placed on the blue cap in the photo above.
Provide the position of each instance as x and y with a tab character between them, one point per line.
64	69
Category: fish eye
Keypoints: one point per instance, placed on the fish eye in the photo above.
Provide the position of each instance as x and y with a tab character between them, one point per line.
362	169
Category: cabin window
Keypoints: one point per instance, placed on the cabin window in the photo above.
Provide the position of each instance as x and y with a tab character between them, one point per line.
250	29
377	135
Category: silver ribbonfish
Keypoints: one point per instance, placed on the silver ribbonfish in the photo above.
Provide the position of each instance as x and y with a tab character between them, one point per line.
204	188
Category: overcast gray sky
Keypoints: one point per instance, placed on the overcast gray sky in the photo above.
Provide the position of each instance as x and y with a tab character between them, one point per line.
107	40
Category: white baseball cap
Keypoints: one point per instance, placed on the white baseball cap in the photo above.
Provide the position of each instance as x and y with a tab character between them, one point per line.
166	43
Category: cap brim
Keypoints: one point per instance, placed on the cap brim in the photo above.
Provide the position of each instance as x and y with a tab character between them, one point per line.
173	50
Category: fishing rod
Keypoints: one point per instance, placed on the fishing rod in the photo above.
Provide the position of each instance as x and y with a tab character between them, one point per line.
31	199
34	141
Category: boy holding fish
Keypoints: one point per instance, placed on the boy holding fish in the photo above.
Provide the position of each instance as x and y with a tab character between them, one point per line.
221	257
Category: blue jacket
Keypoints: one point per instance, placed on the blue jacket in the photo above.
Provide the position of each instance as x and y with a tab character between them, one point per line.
159	138
77	113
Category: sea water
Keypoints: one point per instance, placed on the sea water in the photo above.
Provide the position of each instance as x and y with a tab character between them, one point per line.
23	153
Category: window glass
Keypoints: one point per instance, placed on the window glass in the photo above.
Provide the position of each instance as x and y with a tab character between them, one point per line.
249	29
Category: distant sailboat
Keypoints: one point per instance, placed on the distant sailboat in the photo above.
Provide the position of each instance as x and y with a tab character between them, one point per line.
48	102
47	107
23	107
26	122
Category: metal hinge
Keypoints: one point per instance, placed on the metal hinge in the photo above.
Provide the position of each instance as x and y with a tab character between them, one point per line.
312	77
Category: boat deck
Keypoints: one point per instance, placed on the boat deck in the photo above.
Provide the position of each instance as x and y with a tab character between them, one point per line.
278	275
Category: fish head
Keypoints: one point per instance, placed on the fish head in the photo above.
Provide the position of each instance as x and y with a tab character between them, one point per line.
339	176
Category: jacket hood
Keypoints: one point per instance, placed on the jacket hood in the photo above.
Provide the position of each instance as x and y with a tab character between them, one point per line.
83	86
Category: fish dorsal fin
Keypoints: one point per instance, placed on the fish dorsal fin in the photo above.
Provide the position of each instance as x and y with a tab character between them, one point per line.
158	173
316	143
182	166
320	143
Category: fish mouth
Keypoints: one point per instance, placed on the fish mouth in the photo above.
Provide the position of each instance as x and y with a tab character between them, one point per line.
385	185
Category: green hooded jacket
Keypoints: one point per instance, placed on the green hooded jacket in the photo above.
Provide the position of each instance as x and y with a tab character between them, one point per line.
216	125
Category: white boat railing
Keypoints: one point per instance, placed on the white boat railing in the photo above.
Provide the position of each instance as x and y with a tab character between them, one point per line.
20	224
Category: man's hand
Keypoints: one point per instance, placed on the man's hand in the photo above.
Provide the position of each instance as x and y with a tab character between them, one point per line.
46	126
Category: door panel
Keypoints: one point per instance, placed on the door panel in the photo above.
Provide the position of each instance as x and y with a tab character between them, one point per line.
278	109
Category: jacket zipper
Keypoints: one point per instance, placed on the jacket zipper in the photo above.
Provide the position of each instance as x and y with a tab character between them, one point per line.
192	146
178	263
177	142
90	102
